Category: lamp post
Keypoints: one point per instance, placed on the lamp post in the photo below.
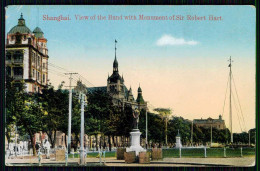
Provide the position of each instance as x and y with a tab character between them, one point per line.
15	149
81	90
192	133
82	130
211	135
146	129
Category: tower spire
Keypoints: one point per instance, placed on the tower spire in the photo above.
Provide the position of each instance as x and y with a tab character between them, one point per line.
115	48
115	64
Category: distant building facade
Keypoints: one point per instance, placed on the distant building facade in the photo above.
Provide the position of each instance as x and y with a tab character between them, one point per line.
27	56
207	123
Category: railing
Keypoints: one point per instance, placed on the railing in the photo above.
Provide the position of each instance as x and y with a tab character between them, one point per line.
208	152
18	61
17	77
8	61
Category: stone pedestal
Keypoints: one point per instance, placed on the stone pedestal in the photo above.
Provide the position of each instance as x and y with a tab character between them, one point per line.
135	142
157	154
60	155
130	157
144	158
120	153
178	142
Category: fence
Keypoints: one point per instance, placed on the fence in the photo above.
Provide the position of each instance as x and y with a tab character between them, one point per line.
208	152
191	153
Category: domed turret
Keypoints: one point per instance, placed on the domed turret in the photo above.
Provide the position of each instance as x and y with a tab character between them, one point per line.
20	27
140	99
38	32
139	89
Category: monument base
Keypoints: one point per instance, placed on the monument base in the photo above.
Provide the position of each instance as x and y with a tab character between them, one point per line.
135	142
178	142
178	146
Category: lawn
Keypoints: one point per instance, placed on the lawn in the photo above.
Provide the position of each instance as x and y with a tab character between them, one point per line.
192	153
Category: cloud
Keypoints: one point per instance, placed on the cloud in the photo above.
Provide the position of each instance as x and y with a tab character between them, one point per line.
170	40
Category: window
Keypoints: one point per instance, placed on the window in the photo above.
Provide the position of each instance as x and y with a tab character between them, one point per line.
43	65
8	56
8	71
18	71
33	73
33	57
38	75
18	39
43	78
18	56
39	61
24	37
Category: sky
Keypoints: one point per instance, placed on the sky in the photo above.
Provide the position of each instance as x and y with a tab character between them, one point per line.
179	64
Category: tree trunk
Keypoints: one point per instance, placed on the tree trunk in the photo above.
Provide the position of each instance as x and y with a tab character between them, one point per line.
113	139
90	142
41	137
109	143
96	142
33	145
100	141
49	133
104	142
8	138
54	139
77	142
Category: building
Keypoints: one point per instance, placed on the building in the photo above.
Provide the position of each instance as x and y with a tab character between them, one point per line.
121	95
27	56
207	123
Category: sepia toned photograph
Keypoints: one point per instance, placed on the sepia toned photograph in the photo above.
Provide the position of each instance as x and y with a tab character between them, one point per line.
124	86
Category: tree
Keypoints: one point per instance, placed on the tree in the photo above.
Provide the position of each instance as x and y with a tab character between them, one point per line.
29	117
76	120
164	113
55	105
11	90
179	123
99	114
252	133
22	110
155	126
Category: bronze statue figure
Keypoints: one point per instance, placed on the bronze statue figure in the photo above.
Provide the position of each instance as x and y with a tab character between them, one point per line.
136	114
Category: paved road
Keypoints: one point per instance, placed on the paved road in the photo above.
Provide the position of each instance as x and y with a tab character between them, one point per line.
166	162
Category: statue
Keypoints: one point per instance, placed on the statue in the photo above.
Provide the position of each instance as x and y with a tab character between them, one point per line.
136	114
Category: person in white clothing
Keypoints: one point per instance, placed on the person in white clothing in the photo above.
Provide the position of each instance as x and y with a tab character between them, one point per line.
47	147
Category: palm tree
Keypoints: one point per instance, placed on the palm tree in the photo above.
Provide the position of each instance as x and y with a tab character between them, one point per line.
164	114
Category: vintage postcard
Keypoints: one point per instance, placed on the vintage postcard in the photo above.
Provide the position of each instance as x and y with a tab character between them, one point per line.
156	86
